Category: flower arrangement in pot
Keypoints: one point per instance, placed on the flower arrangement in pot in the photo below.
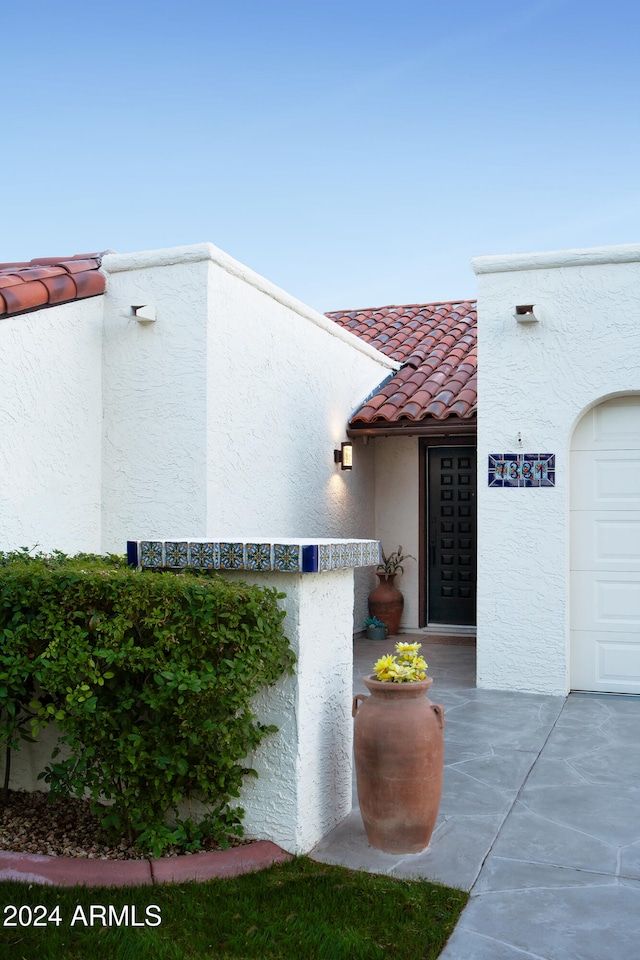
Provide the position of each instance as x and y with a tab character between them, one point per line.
376	629
406	665
386	602
399	752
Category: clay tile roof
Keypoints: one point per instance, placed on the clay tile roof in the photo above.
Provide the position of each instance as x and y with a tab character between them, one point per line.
47	281
436	344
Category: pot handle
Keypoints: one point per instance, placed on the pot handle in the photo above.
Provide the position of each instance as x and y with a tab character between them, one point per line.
438	709
356	699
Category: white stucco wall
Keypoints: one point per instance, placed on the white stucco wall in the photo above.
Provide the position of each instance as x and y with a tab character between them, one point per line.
304	785
155	399
283	382
221	415
224	414
362	518
397	514
535	382
50	412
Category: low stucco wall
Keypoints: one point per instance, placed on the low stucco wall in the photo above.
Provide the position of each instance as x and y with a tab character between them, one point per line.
305	770
304	786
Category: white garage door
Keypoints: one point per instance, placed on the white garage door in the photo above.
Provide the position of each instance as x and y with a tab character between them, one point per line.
605	549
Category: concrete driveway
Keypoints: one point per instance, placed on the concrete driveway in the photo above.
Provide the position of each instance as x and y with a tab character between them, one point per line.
540	817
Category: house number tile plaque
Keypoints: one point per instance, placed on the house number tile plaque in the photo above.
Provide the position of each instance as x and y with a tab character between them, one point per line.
522	470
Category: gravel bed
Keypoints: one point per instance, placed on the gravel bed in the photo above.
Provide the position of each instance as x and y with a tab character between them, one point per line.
31	823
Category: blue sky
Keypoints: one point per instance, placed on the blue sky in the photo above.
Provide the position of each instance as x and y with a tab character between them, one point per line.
355	153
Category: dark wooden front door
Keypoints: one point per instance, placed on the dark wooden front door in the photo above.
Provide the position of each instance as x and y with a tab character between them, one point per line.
451	546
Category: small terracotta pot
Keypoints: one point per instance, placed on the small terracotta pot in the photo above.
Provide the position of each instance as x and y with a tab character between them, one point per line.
386	603
399	757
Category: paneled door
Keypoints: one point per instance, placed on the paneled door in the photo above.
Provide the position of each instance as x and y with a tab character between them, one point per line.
605	548
451	546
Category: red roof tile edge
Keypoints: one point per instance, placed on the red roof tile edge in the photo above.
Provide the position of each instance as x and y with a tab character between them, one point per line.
436	343
49	281
198	867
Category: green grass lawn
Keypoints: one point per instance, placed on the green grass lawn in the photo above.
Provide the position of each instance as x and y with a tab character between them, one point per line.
299	910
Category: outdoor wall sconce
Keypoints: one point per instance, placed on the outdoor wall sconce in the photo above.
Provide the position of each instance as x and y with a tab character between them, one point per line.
145	313
524	313
344	456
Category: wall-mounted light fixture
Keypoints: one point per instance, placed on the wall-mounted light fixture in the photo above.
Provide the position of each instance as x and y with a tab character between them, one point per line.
344	456
524	313
144	313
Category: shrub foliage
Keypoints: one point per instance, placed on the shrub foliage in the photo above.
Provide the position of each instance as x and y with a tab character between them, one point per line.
149	677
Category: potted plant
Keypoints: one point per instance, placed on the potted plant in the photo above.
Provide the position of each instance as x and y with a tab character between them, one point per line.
376	629
399	753
386	601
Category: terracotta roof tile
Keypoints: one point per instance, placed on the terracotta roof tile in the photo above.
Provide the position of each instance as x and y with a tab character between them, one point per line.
436	343
9	280
60	287
47	281
89	284
25	296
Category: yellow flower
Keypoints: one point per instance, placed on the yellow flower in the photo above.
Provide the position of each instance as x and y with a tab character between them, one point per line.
383	663
403	667
408	647
398	671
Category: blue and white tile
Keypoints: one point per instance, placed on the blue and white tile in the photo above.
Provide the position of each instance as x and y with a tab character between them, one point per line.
259	556
339	556
176	554
232	556
352	552
287	557
204	556
151	553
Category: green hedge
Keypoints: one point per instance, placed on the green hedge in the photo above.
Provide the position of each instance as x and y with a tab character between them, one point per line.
149	677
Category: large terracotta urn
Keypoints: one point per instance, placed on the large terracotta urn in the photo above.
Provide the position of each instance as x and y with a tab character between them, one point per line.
399	757
386	602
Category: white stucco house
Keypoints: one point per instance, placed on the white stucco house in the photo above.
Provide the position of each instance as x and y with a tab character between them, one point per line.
559	563
176	391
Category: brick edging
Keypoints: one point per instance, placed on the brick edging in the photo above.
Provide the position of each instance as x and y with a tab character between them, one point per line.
71	871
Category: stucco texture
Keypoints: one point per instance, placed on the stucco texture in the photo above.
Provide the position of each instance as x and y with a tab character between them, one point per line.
304	785
51	412
535	382
155	403
397	513
281	390
224	414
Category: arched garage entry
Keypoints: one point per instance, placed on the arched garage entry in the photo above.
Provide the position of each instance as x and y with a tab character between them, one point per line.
605	548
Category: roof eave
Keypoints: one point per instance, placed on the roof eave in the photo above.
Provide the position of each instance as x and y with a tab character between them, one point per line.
429	427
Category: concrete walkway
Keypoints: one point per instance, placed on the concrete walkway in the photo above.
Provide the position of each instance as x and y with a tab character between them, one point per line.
540	818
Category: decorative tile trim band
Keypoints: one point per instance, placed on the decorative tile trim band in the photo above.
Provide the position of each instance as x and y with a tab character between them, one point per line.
283	556
522	470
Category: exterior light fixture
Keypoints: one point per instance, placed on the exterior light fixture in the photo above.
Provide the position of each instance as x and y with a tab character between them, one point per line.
144	313
344	456
524	313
